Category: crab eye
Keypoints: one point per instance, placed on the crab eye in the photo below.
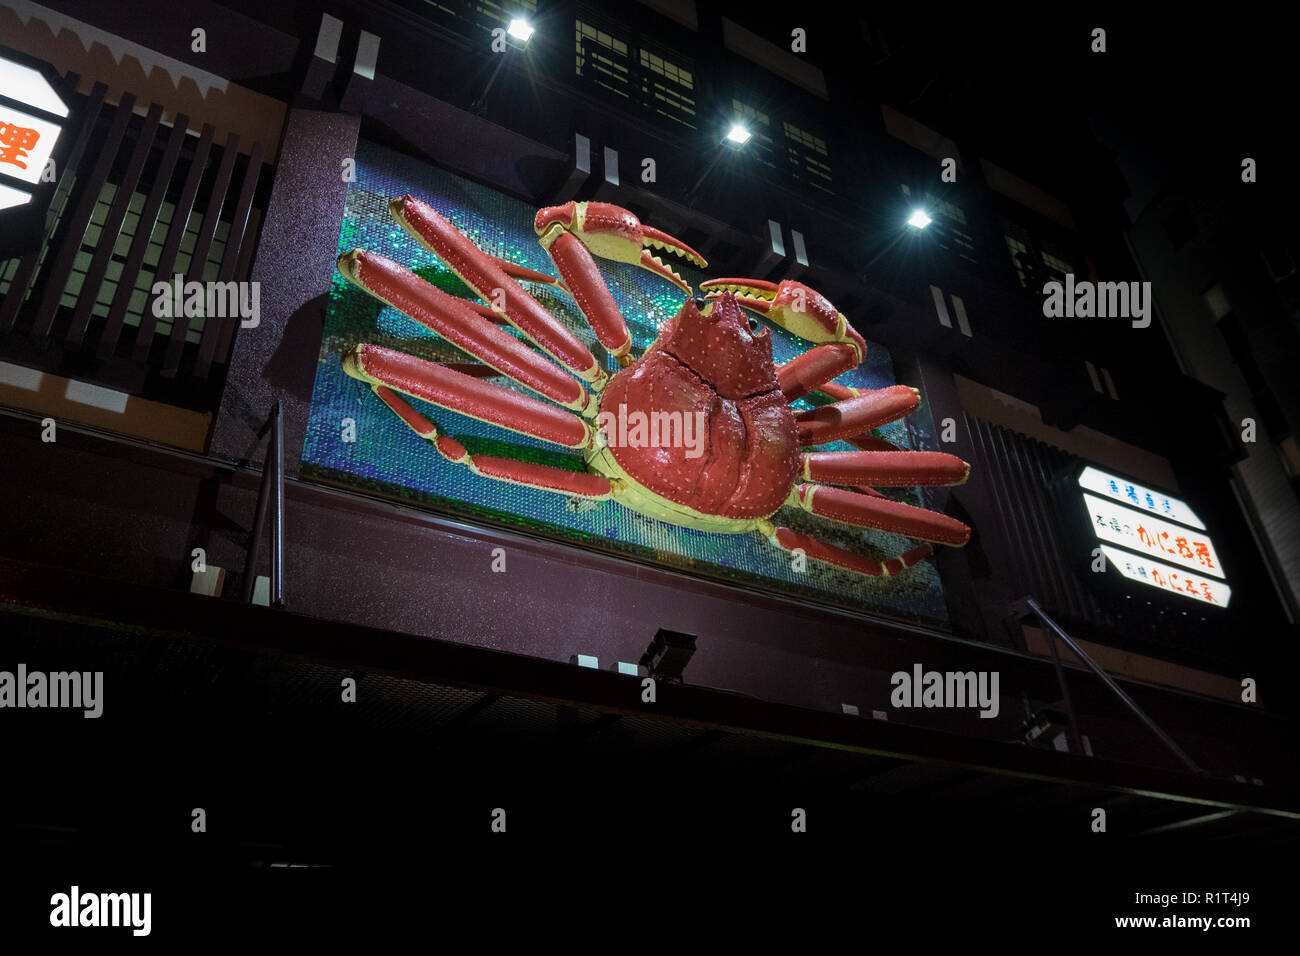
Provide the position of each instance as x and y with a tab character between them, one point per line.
753	324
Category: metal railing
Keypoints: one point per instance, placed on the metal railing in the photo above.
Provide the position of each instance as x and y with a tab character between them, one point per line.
270	498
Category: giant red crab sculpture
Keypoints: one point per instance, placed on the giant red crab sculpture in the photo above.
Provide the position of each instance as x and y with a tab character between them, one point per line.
709	361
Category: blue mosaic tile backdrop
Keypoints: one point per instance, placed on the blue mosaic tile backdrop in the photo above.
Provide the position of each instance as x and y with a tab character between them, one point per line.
388	459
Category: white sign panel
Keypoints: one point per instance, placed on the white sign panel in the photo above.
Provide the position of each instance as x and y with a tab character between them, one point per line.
1149	536
10	197
1137	496
27	85
1164	577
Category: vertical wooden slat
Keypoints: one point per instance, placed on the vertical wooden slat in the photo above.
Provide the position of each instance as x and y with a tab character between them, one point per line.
995	461
27	266
57	277
113	226
215	329
1064	461
1022	495
202	244
1011	570
18	287
143	231
175	233
1044	474
1051	555
243	269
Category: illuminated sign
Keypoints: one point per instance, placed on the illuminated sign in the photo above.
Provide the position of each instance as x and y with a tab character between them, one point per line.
1137	496
1168	578
1153	537
26	84
33	118
26	143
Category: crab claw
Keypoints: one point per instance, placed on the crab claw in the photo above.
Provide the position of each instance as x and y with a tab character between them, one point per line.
793	306
611	232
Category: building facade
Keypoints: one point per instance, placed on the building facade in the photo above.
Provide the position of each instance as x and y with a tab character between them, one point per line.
249	143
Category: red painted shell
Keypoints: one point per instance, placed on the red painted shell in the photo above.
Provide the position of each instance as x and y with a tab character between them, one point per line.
714	365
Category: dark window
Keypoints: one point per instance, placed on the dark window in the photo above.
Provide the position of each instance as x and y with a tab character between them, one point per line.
760	146
608	56
603	59
952	231
806	153
667	86
492	13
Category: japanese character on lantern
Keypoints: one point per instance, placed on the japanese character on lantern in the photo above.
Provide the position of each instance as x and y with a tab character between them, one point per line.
1203	554
15	142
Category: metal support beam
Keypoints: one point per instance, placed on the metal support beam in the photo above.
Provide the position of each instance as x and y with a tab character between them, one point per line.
1118	691
270	499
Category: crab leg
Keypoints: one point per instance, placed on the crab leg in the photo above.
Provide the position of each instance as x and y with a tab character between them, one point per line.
885	469
435	383
809	371
545	477
831	554
611	232
866	441
588	289
853	416
484	275
575	232
882	514
458	323
523	274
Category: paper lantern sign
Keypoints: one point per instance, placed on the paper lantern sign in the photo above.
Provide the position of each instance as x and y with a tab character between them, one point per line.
34	117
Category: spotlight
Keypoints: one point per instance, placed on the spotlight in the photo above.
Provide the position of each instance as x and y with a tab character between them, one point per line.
520	29
738	134
919	219
668	654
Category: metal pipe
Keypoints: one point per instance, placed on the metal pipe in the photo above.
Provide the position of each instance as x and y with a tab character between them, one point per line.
1076	740
259	529
479	106
1118	691
276	458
